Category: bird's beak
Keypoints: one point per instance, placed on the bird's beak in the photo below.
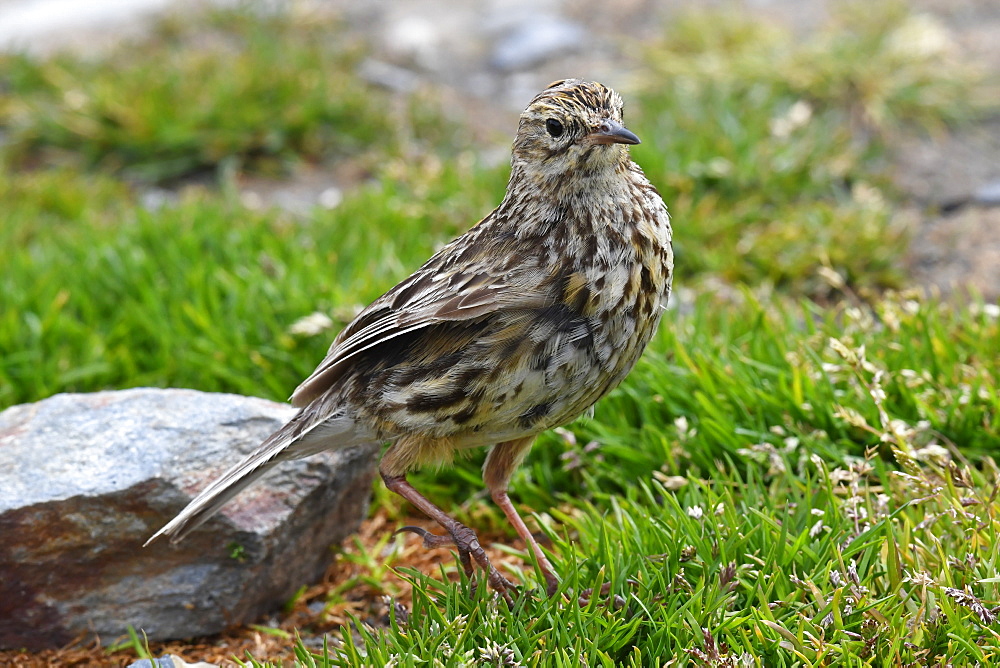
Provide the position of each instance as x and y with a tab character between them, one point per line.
613	132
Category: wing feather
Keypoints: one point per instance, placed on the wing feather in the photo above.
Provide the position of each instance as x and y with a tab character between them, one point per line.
434	294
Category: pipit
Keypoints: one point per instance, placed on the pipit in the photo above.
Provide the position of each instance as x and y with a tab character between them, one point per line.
517	326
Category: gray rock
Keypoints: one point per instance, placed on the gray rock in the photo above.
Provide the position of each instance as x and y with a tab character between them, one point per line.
959	251
987	194
395	78
87	478
947	170
535	40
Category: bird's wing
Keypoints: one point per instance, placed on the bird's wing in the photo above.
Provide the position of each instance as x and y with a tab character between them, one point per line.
436	293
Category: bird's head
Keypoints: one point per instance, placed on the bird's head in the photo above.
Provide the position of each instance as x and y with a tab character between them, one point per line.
573	125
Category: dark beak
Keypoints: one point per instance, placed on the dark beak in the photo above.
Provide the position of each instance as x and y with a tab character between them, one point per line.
613	132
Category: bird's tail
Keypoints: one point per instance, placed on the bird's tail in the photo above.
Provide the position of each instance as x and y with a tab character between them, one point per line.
213	497
304	435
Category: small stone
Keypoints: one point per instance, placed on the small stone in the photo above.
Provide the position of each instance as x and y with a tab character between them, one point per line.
536	40
395	78
987	194
330	198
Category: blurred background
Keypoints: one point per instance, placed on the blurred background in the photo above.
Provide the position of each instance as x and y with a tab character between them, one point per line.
202	194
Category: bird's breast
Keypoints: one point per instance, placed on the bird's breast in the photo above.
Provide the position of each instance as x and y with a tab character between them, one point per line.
606	271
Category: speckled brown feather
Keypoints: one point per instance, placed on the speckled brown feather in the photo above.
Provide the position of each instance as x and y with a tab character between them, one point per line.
517	326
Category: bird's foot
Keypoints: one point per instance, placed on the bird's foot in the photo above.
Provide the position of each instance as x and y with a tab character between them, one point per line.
467	544
586	595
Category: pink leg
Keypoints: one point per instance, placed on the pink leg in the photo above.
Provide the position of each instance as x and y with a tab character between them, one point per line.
462	537
551	581
503	459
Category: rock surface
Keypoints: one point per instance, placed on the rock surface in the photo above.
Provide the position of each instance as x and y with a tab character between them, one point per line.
87	478
536	40
950	169
958	251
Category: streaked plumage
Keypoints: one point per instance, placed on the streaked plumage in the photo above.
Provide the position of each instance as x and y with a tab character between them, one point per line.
517	326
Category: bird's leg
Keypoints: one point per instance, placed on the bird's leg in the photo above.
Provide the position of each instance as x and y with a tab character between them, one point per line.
500	464
502	500
462	537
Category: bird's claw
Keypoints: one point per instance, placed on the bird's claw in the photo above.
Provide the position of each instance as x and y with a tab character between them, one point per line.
430	540
616	601
467	544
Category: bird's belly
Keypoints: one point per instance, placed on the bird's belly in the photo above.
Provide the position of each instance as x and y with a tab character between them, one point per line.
537	397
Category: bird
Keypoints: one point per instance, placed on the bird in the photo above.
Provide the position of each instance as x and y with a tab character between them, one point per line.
515	327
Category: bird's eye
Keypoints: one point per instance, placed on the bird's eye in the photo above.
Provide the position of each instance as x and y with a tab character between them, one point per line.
554	127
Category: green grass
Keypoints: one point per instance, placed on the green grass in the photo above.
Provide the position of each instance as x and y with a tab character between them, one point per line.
201	293
856	565
780	493
877	64
234	89
769	145
798	472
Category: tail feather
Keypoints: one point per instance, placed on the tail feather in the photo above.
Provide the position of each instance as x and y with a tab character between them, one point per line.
306	434
211	499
